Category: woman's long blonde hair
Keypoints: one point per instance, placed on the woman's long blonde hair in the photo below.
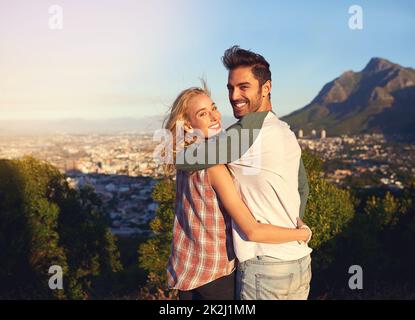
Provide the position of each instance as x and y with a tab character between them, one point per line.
177	117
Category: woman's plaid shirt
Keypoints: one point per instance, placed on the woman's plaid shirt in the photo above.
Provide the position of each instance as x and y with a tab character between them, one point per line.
202	248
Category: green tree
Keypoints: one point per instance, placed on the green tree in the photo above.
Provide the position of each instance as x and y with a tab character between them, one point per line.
374	238
379	237
154	253
43	222
329	211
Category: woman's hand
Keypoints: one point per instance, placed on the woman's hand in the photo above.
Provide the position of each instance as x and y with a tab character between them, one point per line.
302	225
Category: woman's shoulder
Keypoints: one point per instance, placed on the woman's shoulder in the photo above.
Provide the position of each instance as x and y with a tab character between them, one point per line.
195	183
191	175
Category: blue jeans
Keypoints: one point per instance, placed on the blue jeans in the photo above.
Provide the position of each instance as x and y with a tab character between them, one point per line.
268	278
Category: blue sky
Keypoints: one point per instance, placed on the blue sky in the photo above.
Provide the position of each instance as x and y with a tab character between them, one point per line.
130	58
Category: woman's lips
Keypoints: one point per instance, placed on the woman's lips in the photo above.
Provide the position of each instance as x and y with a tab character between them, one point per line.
215	126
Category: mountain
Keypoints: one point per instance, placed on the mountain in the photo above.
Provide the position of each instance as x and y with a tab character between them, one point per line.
380	98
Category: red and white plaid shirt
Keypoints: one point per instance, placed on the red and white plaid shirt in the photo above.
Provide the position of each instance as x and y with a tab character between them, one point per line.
202	248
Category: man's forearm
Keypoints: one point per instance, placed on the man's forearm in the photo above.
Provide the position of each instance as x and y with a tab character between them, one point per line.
303	188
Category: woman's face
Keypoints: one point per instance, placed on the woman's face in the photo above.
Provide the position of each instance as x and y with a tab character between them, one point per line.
204	115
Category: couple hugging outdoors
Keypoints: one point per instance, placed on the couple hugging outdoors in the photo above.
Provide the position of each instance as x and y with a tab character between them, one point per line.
237	231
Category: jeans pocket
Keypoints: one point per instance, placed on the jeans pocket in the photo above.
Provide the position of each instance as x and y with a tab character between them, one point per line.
239	285
272	287
306	277
308	273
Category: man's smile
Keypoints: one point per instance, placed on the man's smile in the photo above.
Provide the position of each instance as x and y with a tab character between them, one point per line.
239	104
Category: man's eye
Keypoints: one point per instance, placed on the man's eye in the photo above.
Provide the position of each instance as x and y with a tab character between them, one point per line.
202	114
214	108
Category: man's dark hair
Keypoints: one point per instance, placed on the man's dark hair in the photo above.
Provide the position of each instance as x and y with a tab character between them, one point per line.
235	57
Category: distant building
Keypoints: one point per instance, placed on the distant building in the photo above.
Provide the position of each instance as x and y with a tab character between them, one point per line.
110	187
323	134
300	133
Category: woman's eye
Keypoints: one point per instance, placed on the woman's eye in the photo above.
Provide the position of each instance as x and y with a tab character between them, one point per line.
202	114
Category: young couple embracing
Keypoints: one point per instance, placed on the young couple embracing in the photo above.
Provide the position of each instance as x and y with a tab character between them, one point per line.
237	231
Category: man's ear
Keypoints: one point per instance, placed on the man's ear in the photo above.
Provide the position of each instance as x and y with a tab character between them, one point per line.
266	88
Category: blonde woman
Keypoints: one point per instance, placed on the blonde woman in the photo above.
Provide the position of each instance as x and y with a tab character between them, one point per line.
202	260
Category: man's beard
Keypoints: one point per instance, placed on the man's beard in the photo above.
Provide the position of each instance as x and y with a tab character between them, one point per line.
256	105
252	105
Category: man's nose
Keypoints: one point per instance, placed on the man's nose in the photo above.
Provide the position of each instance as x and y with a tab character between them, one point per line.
234	94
